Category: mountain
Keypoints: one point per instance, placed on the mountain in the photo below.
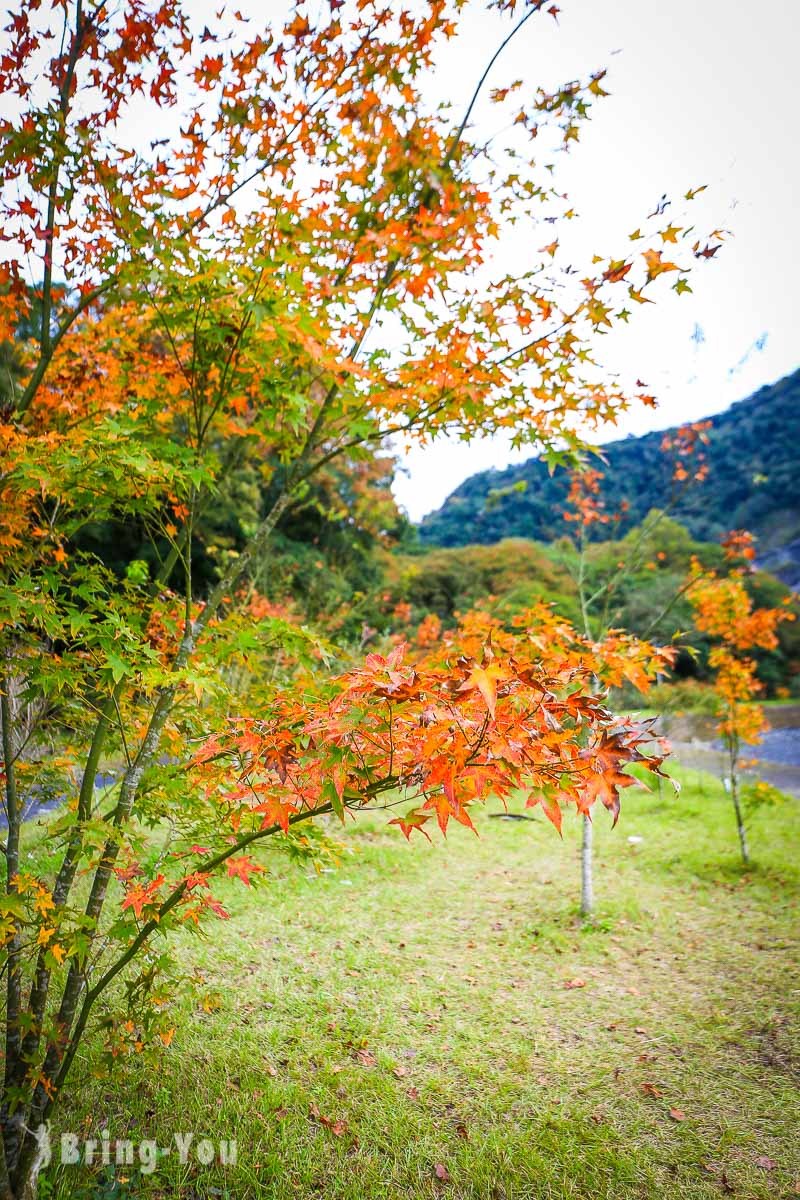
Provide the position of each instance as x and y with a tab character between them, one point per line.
753	482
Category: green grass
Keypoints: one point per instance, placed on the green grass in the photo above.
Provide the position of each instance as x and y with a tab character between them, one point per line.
419	995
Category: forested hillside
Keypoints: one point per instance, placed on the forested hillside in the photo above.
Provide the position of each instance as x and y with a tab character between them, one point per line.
753	483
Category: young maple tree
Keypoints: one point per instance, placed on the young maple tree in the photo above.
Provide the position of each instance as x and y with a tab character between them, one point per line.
588	512
724	611
294	270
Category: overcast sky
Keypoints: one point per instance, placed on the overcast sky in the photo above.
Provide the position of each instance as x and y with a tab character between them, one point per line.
703	92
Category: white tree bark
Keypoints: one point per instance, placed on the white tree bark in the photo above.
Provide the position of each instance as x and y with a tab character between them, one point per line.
587	876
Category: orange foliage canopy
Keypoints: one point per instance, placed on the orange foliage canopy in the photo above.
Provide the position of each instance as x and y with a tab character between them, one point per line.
486	712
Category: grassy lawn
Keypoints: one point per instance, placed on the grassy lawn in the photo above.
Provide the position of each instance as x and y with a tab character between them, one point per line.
431	1021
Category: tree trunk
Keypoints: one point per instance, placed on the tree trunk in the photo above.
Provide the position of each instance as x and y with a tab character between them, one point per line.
733	758
587	879
737	808
22	1183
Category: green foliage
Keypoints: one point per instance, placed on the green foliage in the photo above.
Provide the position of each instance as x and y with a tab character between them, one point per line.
685	695
514	573
646	597
760	794
324	549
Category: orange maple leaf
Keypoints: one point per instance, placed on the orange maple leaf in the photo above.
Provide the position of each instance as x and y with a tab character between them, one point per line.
242	868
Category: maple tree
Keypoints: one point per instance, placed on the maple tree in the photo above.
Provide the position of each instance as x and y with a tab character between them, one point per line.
588	512
294	271
725	612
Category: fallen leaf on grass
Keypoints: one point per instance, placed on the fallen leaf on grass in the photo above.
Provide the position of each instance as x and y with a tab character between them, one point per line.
338	1127
766	1164
575	983
366	1058
677	1114
650	1089
462	1132
413	1093
399	1071
441	1172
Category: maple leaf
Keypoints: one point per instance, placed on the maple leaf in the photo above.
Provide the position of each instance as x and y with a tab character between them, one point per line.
485	679
413	820
445	804
617	271
550	807
44	903
655	264
605	786
276	812
615	749
299	27
635	672
242	868
139	897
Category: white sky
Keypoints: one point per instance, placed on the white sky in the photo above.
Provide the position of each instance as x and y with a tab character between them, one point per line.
702	91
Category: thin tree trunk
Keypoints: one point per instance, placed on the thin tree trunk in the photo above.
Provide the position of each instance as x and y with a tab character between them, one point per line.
737	808
740	824
587	881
